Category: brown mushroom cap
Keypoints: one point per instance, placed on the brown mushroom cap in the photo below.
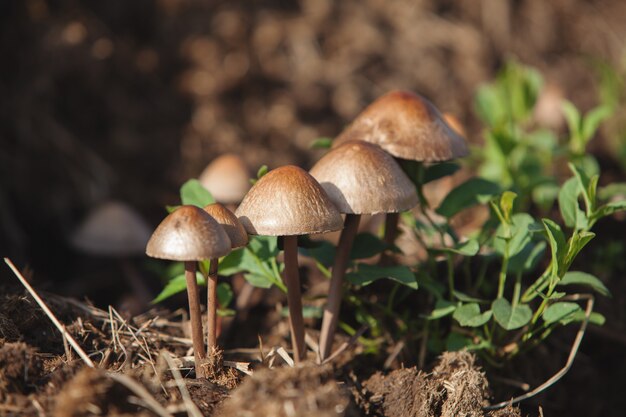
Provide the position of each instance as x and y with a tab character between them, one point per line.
227	178
231	224
361	178
407	126
188	234
112	229
288	201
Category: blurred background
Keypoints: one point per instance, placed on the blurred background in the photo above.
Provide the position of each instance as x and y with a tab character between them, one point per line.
126	100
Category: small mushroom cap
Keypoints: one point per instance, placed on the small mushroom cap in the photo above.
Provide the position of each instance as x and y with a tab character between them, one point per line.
227	178
361	178
112	229
288	201
188	234
231	224
407	126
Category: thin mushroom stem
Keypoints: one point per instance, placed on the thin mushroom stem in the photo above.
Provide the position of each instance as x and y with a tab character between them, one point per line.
391	227
194	316
333	303
294	297
212	306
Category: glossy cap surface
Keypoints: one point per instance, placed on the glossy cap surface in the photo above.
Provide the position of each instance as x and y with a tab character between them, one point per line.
288	201
407	126
361	178
227	178
188	234
230	223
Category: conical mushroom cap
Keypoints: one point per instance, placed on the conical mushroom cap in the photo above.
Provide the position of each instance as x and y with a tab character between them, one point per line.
407	126
231	224
188	234
288	201
361	178
227	178
112	229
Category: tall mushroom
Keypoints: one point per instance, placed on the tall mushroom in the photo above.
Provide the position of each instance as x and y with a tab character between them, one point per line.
407	126
227	178
288	202
238	238
360	178
190	234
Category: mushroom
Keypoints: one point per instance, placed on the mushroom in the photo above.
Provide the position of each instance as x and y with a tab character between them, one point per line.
227	178
407	126
190	234
288	202
238	238
114	229
360	178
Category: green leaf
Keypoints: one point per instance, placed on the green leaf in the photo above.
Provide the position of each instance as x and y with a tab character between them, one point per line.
561	311
322	251
366	274
193	193
527	259
467	298
264	247
232	263
575	244
308	312
557	245
591	121
609	209
256	280
442	308
594	318
616	189
224	294
261	172
585	186
518	237
321	143
473	191
176	285
568	201
366	245
438	171
583	278
509	317
574	123
469	315
506	204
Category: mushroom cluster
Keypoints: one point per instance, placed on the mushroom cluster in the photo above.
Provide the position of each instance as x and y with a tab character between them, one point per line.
358	176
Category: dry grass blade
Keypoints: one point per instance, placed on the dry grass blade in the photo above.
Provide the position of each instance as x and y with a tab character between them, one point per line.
347	344
141	392
50	315
570	360
192	410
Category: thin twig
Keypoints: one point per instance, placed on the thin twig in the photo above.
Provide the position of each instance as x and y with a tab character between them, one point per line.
192	409
346	345
50	315
570	360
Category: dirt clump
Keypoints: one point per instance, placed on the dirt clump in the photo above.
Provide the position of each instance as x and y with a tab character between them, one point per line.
92	392
300	391
19	369
455	387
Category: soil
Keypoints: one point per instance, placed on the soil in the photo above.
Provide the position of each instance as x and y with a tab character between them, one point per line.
43	376
126	100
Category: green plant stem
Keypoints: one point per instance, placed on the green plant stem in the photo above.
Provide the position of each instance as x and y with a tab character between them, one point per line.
450	265
517	289
505	265
197	335
212	306
333	303
294	298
